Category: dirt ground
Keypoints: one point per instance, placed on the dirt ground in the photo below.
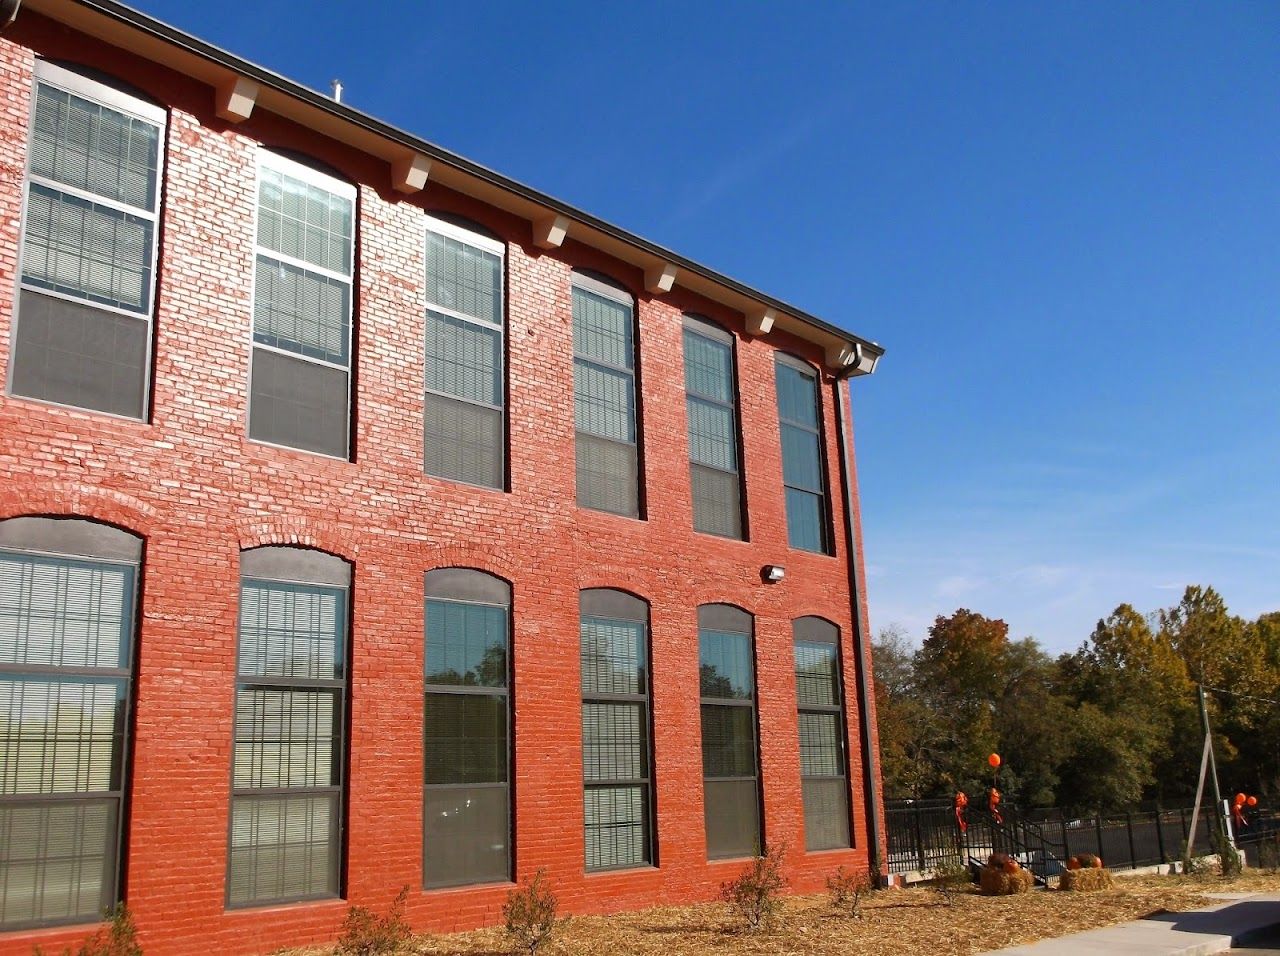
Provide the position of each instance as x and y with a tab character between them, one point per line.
916	921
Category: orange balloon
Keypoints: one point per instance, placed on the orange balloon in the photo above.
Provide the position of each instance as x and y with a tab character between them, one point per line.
1252	801
1239	799
994	760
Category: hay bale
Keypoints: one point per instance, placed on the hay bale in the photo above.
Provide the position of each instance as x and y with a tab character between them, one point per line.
998	881
1085	880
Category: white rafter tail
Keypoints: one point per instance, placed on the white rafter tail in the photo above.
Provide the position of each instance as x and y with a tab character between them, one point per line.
660	278
760	321
549	231
409	173
236	98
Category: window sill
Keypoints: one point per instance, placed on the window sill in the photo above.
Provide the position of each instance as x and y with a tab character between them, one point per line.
48	403
297	451
621	870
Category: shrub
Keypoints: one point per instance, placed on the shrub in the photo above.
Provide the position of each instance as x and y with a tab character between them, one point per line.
530	913
950	880
846	889
754	897
365	933
117	939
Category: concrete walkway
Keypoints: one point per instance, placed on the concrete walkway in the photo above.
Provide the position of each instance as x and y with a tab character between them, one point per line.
1213	929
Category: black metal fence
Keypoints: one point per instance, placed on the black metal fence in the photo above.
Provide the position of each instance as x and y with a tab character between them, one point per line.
924	834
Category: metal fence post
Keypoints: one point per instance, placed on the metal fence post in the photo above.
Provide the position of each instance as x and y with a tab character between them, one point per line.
1160	838
1133	854
919	837
1066	847
1097	828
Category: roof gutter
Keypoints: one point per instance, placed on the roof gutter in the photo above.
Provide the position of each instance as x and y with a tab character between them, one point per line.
162	31
870	755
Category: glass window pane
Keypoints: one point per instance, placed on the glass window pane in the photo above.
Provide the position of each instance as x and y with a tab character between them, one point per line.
726	668
95	148
797	396
613	657
464	279
61	612
602	329
801	461
286	738
466	644
732	816
820	752
466	836
58	860
464	359
613	742
604	402
804	521
465	739
728	741
300	311
88	250
817	676
605	473
826	814
298	404
304	221
462	442
708	367
283	848
712	438
716	504
617	831
61	736
291	630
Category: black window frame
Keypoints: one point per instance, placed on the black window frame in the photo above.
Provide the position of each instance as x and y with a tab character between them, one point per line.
704	328
817	631
457	585
730	619
475	236
107	93
611	605
593	284
295	567
84	542
822	491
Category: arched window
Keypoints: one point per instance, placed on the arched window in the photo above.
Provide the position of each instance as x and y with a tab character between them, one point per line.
712	411
467	719
300	374
67	598
730	761
616	756
466	384
290	719
803	462
89	245
604	396
824	768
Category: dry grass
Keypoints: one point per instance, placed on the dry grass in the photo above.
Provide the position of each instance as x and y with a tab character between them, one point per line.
914	921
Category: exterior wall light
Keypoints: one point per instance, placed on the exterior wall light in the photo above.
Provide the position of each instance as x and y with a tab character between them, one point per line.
773	573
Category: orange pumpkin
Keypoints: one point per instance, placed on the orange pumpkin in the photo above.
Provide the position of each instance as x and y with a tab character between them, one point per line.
1097	862
1073	863
1011	866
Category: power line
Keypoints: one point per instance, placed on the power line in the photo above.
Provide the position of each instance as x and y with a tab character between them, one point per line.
1236	693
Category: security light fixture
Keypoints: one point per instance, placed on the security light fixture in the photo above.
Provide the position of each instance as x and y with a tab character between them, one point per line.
773	573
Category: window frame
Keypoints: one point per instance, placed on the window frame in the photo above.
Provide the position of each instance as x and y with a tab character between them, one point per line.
823	492
837	710
341	720
84	555
69	79
267	158
752	703
698	325
505	692
647	783
485	243
606	288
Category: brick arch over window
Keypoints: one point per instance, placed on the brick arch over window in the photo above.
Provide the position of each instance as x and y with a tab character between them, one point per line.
67	632
297	532
87	502
480	557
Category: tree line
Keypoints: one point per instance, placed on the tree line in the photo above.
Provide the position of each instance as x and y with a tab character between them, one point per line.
1112	726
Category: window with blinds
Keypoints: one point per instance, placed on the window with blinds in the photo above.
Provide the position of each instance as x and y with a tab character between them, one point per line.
803	474
730	775
287	759
85	300
66	641
711	407
604	397
300	387
823	769
464	435
616	758
467	805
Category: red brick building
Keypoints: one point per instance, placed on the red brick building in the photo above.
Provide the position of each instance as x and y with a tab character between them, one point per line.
370	520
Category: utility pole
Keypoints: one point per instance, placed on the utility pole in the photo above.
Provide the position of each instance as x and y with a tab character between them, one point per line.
1213	764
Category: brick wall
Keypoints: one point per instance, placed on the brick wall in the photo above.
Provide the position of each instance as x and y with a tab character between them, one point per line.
198	491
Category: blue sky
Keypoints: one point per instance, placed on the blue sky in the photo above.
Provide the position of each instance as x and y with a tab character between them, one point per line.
1062	220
